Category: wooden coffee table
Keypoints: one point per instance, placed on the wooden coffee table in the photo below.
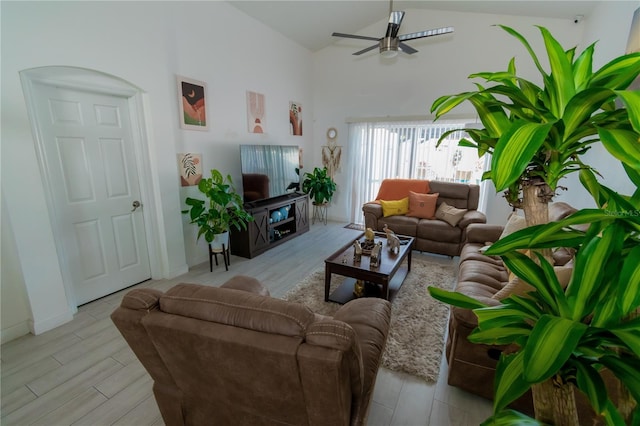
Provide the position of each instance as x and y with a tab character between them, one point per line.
382	281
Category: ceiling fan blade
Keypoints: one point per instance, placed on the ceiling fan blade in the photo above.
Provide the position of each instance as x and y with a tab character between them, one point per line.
427	33
360	52
395	19
407	49
355	36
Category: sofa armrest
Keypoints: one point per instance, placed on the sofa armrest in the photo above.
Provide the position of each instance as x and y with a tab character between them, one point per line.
482	233
472	216
370	318
372	212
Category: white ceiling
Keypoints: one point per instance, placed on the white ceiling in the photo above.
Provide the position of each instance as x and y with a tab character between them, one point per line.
311	22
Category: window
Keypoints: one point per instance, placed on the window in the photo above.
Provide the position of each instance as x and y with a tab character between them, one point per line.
407	150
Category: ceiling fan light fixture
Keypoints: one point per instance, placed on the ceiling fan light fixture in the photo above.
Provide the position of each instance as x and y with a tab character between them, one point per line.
389	47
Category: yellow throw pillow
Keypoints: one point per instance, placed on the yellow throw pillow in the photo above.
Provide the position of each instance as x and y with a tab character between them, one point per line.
393	208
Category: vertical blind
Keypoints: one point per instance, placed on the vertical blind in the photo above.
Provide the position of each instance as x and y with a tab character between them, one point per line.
407	150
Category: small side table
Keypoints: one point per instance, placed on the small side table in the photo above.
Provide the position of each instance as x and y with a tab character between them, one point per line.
320	213
225	256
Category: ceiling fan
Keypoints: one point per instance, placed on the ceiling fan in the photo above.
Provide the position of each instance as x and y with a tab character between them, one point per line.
391	43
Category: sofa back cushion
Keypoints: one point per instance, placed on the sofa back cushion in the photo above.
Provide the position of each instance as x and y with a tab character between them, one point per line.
459	195
397	189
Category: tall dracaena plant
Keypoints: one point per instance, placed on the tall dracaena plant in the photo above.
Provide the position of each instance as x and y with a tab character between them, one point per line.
536	134
565	337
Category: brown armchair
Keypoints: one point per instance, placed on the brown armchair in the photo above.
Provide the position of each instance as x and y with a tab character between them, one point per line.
234	355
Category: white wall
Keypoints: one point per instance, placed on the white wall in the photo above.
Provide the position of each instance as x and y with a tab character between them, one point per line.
364	86
145	44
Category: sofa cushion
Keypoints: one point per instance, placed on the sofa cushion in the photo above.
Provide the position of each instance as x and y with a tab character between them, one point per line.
437	230
395	207
514	223
401	225
422	205
517	286
450	214
396	189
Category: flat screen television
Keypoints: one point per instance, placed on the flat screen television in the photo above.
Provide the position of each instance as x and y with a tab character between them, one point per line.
269	171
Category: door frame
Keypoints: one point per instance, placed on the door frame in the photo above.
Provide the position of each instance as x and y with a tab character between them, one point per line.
84	79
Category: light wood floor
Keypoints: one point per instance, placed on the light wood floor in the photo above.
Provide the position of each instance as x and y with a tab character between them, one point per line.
83	373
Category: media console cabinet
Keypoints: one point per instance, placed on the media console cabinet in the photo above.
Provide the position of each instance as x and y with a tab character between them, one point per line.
264	232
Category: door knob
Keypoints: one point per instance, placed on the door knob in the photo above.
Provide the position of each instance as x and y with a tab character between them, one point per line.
135	205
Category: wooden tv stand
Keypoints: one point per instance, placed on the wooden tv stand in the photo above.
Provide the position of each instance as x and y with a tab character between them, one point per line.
261	234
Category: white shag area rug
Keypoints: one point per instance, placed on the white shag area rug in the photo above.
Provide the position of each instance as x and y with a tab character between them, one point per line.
418	322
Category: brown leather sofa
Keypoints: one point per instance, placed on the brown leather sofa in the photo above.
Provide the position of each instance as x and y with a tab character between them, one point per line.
472	366
235	356
431	235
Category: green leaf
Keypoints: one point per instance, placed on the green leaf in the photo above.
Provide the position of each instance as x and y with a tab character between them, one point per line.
491	114
582	68
618	73
612	415
500	336
591	184
456	299
550	344
622	144
580	108
630	282
526	44
588	269
627	370
444	104
631	100
510	311
524	239
509	383
509	418
591	384
526	269
515	150
630	337
561	72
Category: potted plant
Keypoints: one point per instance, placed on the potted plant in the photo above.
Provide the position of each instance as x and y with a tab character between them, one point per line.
562	338
319	186
223	209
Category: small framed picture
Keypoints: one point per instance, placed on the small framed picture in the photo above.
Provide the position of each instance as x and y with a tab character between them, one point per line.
192	98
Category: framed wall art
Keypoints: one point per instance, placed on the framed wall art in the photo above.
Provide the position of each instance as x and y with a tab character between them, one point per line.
295	118
192	98
190	166
255	113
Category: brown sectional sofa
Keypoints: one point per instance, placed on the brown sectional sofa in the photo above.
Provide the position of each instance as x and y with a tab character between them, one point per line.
432	235
233	355
472	366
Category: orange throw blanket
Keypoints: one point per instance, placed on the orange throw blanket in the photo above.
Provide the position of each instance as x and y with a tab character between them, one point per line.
397	189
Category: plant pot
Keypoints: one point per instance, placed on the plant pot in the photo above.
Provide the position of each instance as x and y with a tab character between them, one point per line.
219	240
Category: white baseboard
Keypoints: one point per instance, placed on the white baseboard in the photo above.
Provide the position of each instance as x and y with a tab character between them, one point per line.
40	327
178	271
11	333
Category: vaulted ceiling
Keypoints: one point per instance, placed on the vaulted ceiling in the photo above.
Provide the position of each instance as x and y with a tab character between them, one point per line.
311	22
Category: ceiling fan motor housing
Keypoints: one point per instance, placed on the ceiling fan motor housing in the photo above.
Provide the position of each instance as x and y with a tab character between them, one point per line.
389	44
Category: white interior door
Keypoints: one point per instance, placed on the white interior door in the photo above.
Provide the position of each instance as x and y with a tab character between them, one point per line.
90	163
